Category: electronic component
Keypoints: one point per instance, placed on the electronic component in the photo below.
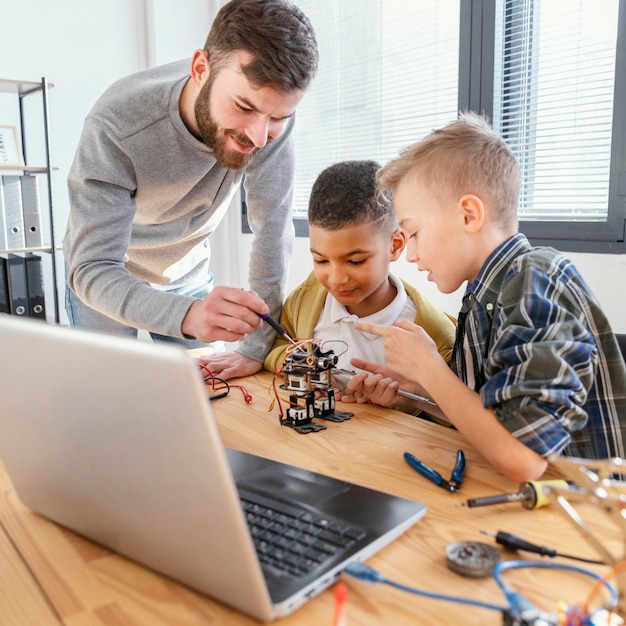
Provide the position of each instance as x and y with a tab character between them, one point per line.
307	374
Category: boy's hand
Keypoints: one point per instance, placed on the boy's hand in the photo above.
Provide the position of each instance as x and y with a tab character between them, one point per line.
408	348
377	389
380	388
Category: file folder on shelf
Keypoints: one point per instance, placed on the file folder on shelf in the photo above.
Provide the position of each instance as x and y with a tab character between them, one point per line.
34	280
31	212
14	215
4	287
18	286
3	223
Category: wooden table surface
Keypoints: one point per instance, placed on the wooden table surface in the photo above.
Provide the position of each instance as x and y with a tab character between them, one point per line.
49	575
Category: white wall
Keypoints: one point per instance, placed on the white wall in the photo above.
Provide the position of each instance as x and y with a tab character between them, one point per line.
83	46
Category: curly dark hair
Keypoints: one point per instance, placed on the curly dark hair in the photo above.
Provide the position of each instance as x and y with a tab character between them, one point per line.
346	194
279	36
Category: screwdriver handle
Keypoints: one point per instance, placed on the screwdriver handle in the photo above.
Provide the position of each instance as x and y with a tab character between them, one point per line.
514	542
276	326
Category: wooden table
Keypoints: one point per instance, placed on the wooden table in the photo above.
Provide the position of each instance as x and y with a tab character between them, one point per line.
51	576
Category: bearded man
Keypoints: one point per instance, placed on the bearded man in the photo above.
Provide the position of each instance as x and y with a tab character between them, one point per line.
160	158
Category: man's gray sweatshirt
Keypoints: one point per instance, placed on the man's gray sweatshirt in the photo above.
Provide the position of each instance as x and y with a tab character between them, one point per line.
144	196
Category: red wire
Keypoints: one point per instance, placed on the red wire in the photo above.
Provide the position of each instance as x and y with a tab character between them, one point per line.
246	395
280	406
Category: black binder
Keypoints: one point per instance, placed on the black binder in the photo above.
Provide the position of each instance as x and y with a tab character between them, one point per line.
34	279
4	287
18	286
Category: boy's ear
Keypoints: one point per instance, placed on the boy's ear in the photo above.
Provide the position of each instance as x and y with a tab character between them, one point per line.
398	242
472	211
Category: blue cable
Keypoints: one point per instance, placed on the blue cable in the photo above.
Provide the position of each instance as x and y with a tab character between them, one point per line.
370	575
519	603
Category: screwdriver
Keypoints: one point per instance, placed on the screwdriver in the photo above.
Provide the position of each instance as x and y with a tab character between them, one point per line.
530	494
342	373
513	542
276	326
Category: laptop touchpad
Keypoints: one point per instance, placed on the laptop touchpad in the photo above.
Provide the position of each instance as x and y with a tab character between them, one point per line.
291	486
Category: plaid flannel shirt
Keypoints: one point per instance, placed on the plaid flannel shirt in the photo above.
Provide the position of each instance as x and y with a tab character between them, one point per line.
534	342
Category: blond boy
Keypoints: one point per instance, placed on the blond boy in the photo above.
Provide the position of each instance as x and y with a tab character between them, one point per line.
536	368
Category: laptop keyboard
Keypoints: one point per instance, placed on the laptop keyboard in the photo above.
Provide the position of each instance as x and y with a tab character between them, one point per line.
295	541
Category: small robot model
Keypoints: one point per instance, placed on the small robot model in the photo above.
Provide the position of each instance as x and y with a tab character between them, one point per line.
308	375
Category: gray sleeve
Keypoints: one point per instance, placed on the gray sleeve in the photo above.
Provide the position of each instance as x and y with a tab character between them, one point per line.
269	196
101	185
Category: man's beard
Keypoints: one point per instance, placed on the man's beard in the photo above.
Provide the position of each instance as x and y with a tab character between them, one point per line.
215	138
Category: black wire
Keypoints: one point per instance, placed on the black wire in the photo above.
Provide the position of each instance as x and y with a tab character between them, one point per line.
513	542
223	391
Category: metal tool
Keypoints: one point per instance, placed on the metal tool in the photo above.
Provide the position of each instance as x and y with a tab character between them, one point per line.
602	484
276	326
456	479
343	374
414	396
531	495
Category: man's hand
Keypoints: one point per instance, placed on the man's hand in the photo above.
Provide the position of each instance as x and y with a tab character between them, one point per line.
229	364
225	314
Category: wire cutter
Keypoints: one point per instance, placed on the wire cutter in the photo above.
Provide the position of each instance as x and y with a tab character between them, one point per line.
456	479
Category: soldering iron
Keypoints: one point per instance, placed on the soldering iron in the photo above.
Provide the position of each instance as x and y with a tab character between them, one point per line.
531	494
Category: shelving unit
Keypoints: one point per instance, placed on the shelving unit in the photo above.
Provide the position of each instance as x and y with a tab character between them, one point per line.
22	89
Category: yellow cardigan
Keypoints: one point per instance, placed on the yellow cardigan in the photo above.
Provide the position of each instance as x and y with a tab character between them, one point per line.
304	305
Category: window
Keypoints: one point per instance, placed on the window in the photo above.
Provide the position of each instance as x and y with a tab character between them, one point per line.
554	100
551	77
388	74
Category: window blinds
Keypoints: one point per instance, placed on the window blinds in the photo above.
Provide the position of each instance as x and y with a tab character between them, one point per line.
388	75
553	102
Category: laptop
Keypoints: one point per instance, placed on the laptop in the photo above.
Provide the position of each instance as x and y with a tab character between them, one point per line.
115	439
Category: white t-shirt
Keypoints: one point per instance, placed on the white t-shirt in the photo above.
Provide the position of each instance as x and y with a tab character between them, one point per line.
335	325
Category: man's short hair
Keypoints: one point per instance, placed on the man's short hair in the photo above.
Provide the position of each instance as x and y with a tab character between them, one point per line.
345	194
276	33
464	157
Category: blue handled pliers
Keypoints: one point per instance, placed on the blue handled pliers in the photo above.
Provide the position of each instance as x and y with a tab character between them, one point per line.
456	479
